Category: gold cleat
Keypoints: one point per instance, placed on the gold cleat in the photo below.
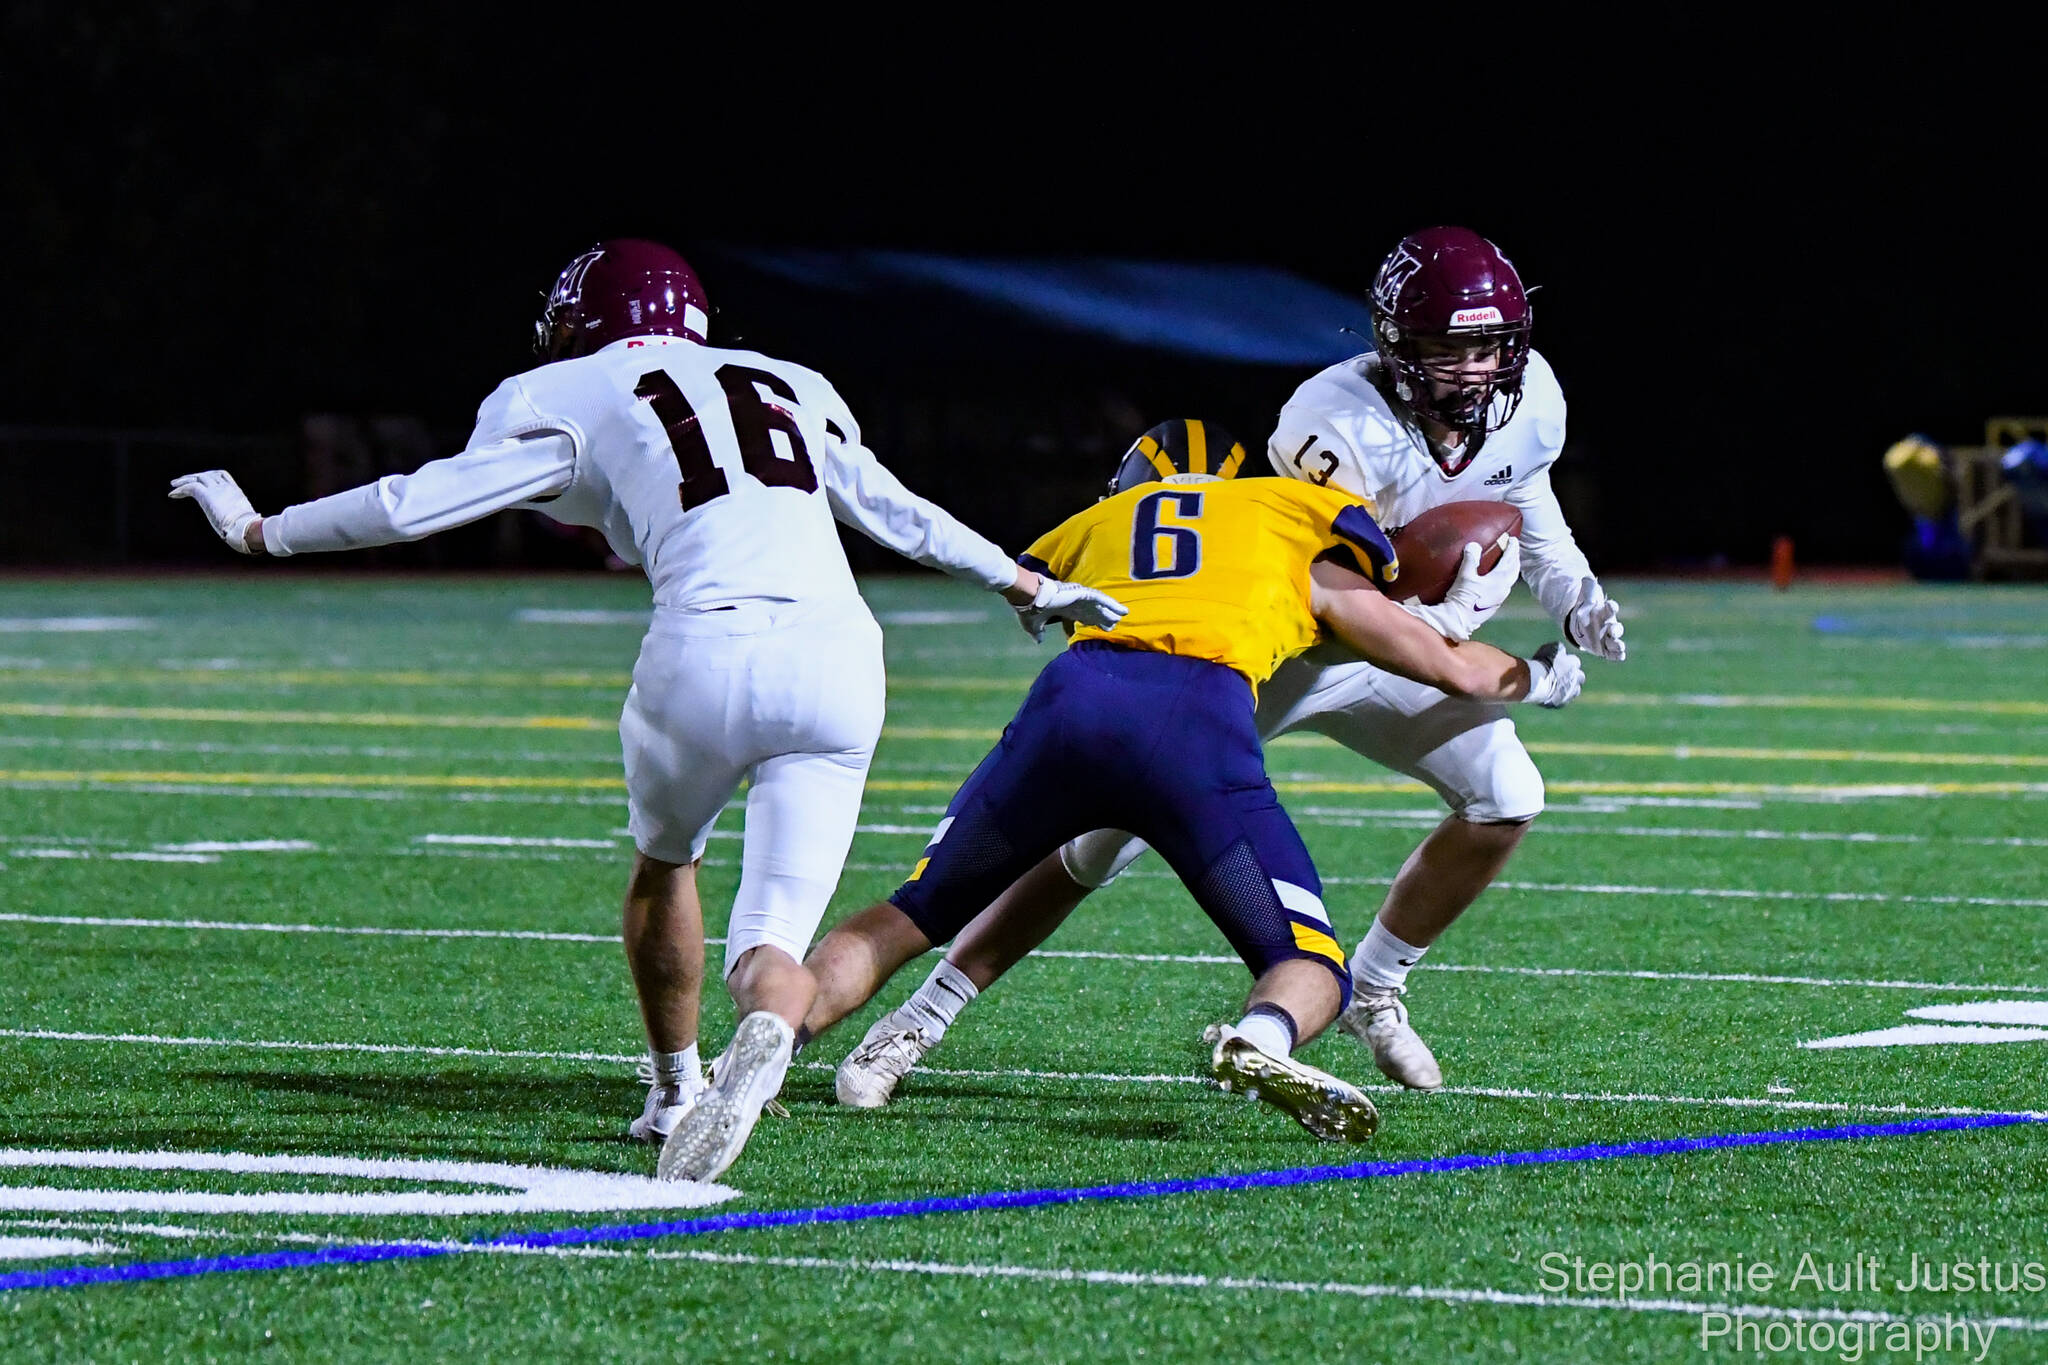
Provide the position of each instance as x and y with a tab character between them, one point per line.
1333	1109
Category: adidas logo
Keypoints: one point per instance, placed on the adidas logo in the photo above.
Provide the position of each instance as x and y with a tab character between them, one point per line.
1501	476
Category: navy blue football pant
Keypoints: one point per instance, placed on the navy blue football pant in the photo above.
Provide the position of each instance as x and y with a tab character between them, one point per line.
1112	737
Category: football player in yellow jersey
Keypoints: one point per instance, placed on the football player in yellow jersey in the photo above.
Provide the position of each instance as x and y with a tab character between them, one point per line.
1149	728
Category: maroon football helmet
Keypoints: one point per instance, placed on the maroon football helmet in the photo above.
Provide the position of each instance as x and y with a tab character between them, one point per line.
1443	290
625	287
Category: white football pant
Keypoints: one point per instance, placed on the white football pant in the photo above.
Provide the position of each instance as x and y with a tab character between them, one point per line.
786	697
1466	750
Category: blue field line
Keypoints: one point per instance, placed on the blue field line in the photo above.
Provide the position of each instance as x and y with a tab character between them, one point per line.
71	1277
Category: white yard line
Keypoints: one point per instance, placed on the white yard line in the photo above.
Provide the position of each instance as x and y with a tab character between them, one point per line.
1718	893
1147	1279
172	1231
1740	978
513	841
1126	1279
1070	954
1366	819
266	927
1015	1073
72	625
273	1045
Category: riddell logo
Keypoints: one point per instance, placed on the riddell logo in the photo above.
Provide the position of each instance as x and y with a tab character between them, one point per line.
1475	317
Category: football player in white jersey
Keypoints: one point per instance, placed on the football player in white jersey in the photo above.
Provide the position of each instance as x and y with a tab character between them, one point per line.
721	473
1453	405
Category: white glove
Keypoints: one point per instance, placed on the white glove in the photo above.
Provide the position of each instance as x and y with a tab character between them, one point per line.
1057	601
224	503
1595	624
1555	676
1473	595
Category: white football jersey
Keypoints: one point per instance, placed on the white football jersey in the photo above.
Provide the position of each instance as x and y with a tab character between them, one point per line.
721	472
1340	429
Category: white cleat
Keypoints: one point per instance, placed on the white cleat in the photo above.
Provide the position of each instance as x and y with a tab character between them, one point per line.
868	1078
1377	1018
1328	1106
711	1134
666	1105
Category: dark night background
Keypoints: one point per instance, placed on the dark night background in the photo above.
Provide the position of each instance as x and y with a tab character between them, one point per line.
1761	261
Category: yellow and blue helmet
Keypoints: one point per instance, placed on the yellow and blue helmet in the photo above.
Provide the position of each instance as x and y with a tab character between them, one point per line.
1185	445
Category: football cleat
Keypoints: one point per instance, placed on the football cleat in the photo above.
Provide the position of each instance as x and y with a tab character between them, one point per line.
1377	1018
710	1136
666	1105
1333	1109
868	1078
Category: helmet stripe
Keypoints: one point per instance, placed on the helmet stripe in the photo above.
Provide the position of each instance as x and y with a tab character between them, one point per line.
1198	448
1151	451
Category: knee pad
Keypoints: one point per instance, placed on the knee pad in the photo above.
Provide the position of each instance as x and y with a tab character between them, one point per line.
1097	859
1506	788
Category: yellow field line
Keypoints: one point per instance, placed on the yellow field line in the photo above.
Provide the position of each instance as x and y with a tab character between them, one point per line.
127	777
394	719
1697	788
1690	751
308	677
978	734
334	677
1971	706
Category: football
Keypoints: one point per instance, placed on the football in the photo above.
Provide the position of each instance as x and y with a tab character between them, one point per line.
1429	546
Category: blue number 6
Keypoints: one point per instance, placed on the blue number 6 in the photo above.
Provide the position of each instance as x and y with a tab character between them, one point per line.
1184	544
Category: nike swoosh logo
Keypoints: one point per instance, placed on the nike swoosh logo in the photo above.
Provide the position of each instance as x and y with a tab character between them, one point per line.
1407	961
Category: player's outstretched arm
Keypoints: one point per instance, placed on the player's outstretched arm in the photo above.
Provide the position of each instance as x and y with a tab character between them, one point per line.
437	496
867	496
1378	630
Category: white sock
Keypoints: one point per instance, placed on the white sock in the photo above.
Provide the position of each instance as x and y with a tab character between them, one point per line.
1382	959
1267	1032
679	1069
939	1000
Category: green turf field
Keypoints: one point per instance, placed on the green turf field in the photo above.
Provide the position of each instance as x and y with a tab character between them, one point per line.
229	806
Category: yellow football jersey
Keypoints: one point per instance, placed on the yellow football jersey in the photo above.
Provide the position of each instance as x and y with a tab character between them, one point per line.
1214	569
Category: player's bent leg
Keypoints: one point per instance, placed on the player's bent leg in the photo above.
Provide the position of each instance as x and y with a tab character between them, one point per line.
1254	1057
856	959
664	937
681	770
1262	891
813	713
996	940
1471	756
1496	793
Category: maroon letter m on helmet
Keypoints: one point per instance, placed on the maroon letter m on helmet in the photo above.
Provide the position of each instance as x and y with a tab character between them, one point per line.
1452	287
625	287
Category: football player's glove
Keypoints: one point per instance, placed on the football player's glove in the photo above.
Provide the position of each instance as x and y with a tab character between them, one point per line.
1473	595
224	503
1057	601
1555	676
1595	623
